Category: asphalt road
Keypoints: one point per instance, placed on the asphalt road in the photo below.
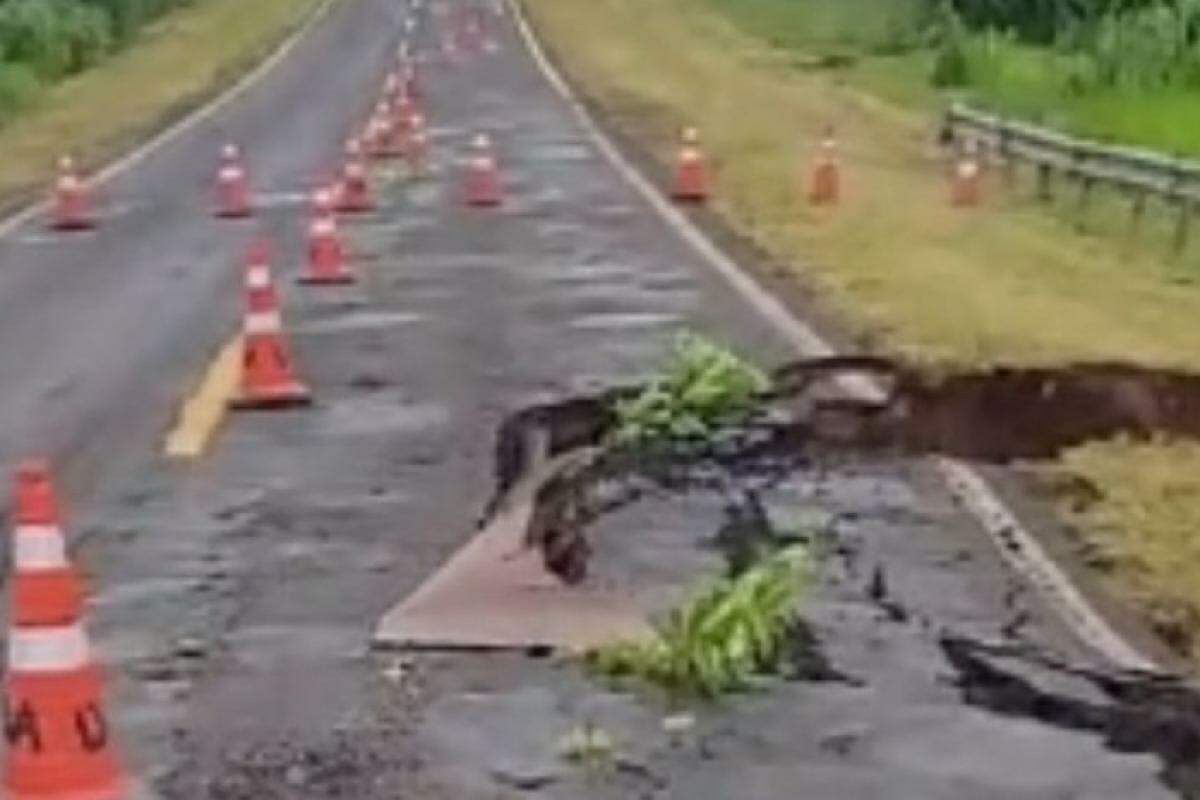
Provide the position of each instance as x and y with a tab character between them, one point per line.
99	333
235	597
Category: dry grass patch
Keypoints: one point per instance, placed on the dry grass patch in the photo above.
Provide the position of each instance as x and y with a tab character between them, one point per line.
1141	527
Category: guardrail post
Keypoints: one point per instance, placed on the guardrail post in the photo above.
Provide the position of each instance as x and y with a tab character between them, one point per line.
1044	174
1183	226
1137	211
1004	145
1086	184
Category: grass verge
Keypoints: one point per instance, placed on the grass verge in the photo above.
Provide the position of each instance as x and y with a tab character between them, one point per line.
176	63
909	274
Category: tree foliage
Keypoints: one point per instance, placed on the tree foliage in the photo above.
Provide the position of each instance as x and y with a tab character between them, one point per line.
43	41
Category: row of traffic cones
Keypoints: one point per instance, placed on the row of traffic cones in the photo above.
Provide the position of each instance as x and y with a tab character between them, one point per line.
692	182
395	129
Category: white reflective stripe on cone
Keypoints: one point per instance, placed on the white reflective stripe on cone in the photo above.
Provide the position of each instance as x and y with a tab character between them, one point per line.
38	547
58	649
258	277
263	322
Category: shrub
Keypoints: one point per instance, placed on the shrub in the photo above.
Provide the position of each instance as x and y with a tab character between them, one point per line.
54	38
703	387
732	632
951	66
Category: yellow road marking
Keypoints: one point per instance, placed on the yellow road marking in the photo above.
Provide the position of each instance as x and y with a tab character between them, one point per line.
203	412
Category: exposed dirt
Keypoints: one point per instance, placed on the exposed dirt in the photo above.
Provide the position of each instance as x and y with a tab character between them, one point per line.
997	416
1137	714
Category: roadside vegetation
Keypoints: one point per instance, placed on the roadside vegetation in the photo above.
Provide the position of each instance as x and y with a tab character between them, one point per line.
44	41
92	76
729	637
1016	282
1114	70
702	388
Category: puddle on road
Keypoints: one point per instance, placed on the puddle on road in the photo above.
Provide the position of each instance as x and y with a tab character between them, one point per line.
265	645
592	294
566	152
600	273
360	320
625	321
378	416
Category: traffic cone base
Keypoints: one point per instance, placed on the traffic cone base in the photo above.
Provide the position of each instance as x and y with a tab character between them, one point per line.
59	738
233	196
826	184
965	191
354	197
342	279
268	381
326	257
691	178
483	185
72	200
73	211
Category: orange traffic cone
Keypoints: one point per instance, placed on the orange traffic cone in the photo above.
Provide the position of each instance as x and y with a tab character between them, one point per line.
326	256
411	82
57	732
691	177
324	197
72	200
354	195
391	86
965	189
825	188
404	109
268	377
483	176
417	146
233	188
381	136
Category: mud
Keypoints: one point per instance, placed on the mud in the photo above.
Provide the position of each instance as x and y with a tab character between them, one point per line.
997	415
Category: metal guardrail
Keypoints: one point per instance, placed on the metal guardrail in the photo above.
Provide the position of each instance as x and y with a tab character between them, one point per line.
1137	172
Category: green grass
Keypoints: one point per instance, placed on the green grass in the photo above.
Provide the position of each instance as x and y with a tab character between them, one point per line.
883	39
728	636
848	26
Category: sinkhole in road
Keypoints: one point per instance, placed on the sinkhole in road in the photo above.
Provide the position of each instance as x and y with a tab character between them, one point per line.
997	416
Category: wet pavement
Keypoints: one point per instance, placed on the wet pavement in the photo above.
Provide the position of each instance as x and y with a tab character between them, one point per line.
236	597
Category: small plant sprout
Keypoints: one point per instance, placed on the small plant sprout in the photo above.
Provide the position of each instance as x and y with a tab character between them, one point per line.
703	387
589	746
726	638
